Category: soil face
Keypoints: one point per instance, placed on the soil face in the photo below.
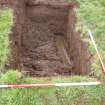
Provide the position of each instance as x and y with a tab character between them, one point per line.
44	41
39	46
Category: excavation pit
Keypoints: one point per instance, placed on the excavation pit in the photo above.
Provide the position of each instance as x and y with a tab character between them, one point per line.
44	41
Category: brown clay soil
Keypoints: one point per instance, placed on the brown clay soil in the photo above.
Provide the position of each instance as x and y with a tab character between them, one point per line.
39	49
44	42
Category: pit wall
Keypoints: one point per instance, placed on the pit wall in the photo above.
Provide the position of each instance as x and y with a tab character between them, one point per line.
44	26
77	50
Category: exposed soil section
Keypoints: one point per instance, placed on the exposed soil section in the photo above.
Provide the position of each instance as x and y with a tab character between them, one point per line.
39	47
44	41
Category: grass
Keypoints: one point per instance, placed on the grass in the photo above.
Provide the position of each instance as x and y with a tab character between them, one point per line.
5	26
90	15
86	95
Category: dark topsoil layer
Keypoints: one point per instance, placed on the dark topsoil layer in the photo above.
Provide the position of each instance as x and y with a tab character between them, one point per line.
44	42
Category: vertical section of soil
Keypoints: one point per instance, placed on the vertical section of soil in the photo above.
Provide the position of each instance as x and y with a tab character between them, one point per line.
44	41
39	48
79	52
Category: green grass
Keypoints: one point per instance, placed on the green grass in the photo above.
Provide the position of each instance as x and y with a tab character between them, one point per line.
83	95
91	14
5	26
